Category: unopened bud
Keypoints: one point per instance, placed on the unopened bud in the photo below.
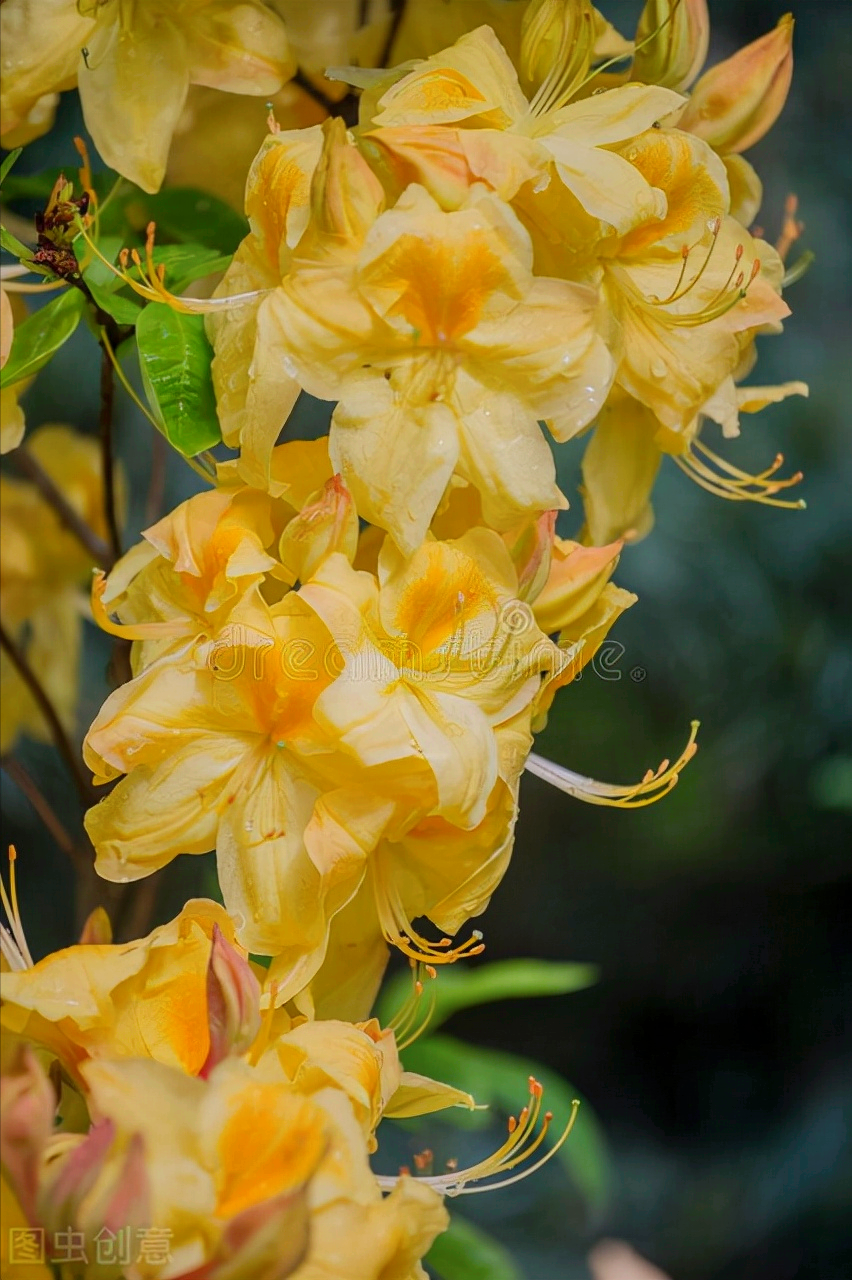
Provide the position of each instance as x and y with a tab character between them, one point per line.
346	196
671	42
233	1002
530	551
27	1108
327	525
97	931
735	103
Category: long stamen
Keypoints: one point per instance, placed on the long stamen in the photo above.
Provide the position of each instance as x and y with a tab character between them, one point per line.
13	942
152	288
400	932
732	483
655	784
678	292
132	631
524	1139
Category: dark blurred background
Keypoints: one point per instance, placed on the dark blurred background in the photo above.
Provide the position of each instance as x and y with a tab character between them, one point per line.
716	1048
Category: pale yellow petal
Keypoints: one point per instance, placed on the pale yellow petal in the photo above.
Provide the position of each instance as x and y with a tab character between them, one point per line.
240	47
133	90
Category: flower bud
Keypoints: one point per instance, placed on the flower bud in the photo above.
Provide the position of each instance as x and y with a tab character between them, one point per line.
27	1108
735	103
557	39
530	551
97	931
671	42
577	577
327	525
233	1002
346	196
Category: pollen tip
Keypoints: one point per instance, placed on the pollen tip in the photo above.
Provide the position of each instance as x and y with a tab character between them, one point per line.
418	987
431	970
477	933
548	1116
512	1124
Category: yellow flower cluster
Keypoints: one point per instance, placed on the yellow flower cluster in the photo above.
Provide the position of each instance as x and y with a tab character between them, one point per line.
156	1092
341	651
345	724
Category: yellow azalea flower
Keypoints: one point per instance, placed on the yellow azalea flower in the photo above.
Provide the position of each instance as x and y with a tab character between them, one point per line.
435	654
504	139
690	292
226	754
42	570
139	999
133	66
213	554
427	326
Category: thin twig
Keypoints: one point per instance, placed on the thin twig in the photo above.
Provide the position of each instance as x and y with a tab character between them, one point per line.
107	455
28	787
157	481
24	462
393	32
57	730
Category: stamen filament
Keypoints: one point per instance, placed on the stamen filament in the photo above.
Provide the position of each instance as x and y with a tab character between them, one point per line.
524	1139
734	484
13	942
655	784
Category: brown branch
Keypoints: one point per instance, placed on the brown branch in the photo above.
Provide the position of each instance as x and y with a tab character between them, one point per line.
393	31
29	788
157	481
57	729
24	462
107	452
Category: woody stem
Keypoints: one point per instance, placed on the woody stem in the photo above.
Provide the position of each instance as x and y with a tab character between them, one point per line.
24	461
60	737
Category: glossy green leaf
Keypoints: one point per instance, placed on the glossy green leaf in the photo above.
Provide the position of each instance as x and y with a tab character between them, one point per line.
187	262
499	1080
41	335
8	162
466	1252
13	245
460	988
184	213
107	288
175	358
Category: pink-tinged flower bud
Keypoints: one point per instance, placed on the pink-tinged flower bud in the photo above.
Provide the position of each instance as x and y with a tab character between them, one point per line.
95	1185
233	1002
346	196
27	1108
97	931
735	103
530	551
266	1242
671	42
327	525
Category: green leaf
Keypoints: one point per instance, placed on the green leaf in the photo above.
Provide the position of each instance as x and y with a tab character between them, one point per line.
466	1252
187	262
500	1081
175	358
8	162
184	213
460	988
124	307
13	245
41	335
